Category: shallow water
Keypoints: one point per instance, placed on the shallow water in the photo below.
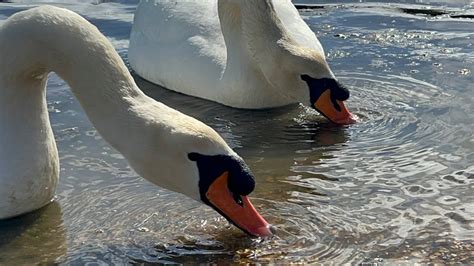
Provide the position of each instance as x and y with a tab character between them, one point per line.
395	187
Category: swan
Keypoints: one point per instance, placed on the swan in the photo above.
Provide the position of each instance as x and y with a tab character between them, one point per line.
162	145
240	53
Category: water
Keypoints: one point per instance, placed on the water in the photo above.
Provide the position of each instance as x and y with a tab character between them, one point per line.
395	187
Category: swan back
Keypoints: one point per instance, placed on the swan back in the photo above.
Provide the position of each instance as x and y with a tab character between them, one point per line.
178	44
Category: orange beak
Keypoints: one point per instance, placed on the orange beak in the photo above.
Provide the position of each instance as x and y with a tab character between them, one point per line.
240	212
326	106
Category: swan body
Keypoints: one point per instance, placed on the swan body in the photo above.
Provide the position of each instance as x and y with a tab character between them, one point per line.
244	54
161	144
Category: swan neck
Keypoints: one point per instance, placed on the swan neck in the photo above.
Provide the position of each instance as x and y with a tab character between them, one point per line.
46	41
230	18
251	31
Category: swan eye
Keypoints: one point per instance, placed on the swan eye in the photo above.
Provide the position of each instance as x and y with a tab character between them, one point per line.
238	199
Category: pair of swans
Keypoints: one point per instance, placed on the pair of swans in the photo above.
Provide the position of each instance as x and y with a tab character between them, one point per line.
162	145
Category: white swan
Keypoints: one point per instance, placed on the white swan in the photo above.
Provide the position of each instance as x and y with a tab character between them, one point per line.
241	53
163	145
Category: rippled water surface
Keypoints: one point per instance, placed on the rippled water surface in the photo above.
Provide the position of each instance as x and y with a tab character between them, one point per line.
395	187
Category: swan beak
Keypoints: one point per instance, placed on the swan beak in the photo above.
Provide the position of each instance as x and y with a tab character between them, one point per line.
239	211
334	110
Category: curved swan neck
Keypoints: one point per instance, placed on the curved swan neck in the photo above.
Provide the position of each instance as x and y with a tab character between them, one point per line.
251	25
45	41
263	14
252	33
230	18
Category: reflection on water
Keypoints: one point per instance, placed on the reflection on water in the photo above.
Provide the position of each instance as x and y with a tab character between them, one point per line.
395	187
38	236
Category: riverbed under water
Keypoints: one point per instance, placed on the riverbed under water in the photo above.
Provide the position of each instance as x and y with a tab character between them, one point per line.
395	187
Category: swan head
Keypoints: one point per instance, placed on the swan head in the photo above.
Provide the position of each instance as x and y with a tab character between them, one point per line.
304	73
225	182
188	157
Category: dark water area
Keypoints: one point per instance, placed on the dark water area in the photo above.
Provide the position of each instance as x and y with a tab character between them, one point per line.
397	187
